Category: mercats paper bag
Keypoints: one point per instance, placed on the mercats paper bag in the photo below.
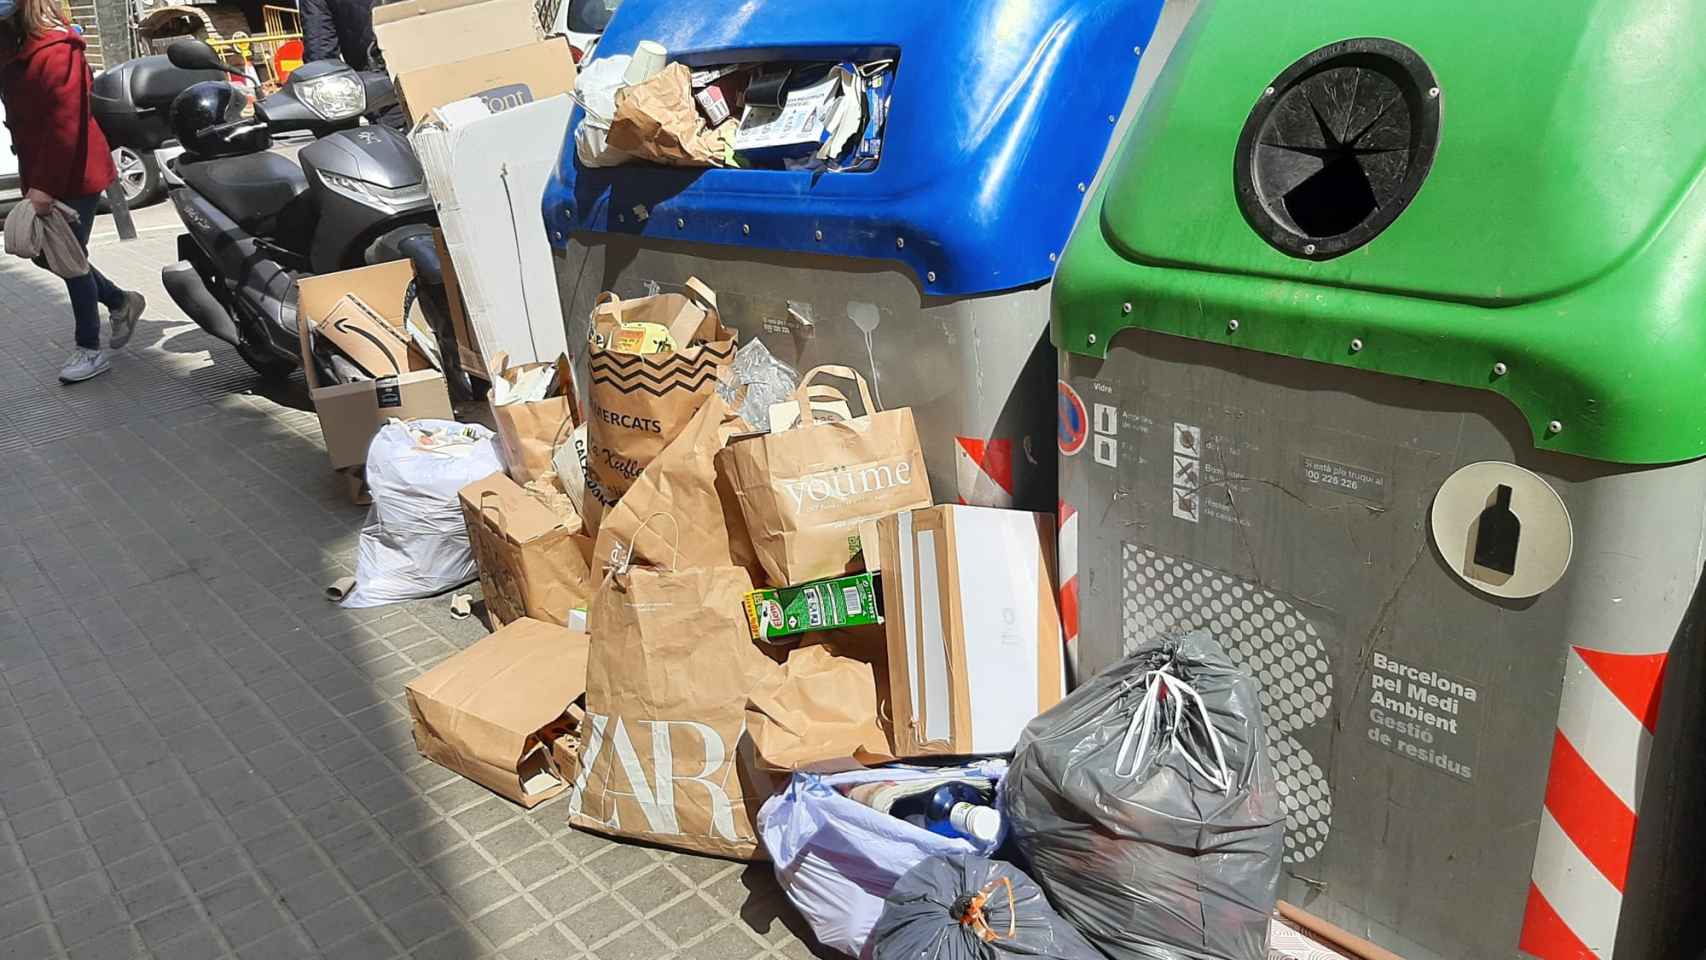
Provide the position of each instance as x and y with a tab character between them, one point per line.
661	757
642	402
705	527
805	492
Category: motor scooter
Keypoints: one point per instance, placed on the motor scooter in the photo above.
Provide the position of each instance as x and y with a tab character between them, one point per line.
256	220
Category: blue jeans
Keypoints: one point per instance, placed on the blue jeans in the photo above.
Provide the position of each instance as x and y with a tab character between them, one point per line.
91	288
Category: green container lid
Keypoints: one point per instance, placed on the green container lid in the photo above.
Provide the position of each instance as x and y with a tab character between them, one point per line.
1526	219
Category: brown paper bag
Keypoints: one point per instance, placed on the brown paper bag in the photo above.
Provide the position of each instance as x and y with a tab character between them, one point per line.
490	711
528	433
827	708
641	402
805	492
531	565
667	679
657	120
681	484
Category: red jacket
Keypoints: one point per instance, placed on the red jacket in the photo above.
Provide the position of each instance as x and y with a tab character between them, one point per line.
45	86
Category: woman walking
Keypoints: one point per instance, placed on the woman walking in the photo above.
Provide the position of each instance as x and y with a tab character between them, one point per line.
62	156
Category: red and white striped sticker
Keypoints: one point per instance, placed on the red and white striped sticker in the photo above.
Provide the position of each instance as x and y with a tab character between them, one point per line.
1606	719
1066	555
984	469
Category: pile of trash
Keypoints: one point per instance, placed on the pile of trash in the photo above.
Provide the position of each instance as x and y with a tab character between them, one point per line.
732	619
825	116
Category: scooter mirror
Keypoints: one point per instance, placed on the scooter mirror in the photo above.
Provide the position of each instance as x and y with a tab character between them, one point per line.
195	55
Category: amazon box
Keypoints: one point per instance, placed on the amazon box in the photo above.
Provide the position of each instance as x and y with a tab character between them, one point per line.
492	711
351	413
502	80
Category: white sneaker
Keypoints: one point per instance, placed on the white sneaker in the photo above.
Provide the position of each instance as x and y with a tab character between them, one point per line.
84	364
124	319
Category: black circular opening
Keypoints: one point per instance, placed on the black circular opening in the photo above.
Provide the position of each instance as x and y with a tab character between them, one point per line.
1337	147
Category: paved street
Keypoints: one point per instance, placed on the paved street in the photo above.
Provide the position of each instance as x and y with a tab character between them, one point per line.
202	757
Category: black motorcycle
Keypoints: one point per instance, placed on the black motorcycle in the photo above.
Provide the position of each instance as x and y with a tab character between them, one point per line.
256	220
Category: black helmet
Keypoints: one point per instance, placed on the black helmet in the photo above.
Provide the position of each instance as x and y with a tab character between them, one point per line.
207	118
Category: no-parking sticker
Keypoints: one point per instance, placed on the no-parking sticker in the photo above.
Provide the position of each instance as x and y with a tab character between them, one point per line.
1074	423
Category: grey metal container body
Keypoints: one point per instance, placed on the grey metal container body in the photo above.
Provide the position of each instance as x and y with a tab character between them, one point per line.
975	367
1320	588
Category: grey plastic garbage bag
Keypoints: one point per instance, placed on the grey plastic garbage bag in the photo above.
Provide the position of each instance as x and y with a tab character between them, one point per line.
1146	806
963	907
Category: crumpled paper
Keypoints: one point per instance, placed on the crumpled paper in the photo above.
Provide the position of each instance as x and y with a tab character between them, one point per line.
657	120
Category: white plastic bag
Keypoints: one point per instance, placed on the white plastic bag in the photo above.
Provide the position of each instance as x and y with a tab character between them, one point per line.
595	91
414	542
836	859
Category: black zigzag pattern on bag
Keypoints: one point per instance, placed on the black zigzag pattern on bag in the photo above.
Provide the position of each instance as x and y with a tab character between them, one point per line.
630	373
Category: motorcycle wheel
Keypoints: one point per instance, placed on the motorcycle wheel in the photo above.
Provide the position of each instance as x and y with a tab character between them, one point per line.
269	366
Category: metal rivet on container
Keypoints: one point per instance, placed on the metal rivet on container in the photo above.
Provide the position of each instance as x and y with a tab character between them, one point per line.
1137	50
1556	426
1125	307
1081	188
1356	345
1499	369
818	234
621	218
900	242
1052	258
679	223
1309	248
1433	91
1112	118
1232	325
931	276
1268	92
1091	338
746	228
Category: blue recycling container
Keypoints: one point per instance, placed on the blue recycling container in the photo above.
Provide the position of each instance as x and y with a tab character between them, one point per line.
928	273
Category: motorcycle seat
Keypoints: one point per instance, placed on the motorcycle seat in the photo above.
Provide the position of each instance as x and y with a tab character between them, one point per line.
252	189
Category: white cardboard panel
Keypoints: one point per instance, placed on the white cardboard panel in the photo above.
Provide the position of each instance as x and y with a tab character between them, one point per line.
937	694
996	553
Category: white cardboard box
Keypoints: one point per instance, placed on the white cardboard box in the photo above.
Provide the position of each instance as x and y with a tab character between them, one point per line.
974	638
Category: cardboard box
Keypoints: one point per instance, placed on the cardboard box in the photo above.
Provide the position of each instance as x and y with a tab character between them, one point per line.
531	565
351	413
423	33
974	638
490	712
504	80
361	334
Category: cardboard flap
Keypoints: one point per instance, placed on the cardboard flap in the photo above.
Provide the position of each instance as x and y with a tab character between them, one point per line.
508	508
502	80
420	33
373	343
492	698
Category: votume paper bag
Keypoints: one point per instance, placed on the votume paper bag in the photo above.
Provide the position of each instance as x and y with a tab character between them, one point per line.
805	492
486	712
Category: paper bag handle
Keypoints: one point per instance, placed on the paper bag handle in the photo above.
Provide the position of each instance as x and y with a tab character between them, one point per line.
699	293
802	397
503	522
674	547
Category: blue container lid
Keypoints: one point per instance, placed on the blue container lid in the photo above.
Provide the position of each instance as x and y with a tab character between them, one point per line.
1000	111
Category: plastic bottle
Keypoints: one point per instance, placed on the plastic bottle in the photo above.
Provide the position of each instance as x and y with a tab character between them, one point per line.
953	810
